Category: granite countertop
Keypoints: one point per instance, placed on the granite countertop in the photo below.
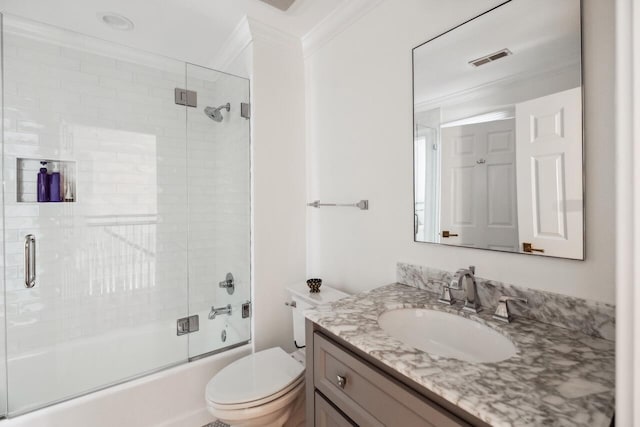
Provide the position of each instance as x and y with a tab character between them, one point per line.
559	377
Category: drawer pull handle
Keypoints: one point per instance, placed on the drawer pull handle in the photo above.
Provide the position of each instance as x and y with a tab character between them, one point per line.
342	381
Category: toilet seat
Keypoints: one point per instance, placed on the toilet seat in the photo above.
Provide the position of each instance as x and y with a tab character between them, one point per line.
260	402
255	380
264	415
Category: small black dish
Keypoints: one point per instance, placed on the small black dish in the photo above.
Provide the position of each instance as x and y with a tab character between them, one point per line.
314	285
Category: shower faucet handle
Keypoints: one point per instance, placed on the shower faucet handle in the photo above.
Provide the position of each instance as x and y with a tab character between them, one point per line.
228	283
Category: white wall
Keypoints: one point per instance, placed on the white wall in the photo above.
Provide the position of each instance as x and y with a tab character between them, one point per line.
274	63
278	181
627	212
359	145
505	94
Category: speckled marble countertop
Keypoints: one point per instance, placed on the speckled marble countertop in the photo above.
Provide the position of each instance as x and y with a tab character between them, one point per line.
558	378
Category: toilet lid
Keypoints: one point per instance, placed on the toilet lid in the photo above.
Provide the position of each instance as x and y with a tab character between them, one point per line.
254	377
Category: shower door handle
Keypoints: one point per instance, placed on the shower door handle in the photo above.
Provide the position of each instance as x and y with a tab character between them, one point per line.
29	260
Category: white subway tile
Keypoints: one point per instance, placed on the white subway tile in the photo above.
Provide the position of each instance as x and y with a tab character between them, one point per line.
96	69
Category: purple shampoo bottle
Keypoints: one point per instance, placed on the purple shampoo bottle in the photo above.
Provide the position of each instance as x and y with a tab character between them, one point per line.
54	185
43	184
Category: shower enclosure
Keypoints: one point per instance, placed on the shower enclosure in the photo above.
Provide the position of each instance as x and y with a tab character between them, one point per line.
150	231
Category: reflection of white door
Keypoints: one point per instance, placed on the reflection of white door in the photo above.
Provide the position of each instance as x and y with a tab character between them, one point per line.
549	161
427	184
478	185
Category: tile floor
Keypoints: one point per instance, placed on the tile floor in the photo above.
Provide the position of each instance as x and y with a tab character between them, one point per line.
216	424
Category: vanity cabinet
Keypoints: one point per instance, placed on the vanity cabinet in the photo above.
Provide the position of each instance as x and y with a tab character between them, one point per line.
328	416
344	389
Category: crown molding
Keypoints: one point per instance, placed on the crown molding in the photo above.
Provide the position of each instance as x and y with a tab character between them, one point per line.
250	29
265	32
49	34
233	46
336	22
246	32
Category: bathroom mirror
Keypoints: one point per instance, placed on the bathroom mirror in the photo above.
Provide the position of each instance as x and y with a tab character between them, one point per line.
498	160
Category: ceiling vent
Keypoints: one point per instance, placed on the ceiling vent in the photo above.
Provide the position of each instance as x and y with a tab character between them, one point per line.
491	57
283	5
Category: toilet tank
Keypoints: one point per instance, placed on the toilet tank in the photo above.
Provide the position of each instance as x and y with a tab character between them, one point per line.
302	300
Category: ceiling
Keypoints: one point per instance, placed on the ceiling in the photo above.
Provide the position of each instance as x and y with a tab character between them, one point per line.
543	35
190	30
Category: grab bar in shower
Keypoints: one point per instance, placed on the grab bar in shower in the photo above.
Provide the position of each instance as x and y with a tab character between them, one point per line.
362	204
29	260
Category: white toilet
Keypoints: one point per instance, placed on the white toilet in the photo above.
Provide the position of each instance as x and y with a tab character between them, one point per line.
267	388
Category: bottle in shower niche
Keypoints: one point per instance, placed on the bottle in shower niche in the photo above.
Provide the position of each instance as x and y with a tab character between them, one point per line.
67	184
43	184
55	189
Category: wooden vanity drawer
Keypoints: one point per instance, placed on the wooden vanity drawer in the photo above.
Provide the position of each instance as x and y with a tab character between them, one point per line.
328	416
368	396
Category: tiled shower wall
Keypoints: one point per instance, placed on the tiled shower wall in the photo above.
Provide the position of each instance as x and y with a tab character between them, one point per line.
117	120
113	266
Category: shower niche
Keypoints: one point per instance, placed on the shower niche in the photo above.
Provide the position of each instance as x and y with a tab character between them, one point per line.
56	178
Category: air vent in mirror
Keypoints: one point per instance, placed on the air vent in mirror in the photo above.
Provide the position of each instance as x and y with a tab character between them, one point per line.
491	57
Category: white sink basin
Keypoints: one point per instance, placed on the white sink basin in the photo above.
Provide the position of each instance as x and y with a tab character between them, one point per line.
446	335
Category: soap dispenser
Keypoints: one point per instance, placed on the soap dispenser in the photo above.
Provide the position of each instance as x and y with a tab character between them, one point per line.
43	184
67	190
54	184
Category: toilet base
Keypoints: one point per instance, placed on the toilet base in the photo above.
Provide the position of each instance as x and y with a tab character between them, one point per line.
297	416
290	413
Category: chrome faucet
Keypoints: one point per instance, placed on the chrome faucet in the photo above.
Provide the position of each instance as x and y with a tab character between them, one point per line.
471	298
221	310
502	311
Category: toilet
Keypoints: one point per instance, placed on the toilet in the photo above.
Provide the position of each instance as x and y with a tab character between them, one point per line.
266	388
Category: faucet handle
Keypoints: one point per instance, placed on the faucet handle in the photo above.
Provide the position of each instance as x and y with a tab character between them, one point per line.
445	296
502	311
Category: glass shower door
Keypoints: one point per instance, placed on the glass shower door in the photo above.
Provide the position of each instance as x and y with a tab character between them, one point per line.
95	282
218	146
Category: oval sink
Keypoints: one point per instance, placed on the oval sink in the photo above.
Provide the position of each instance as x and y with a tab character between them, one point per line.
446	335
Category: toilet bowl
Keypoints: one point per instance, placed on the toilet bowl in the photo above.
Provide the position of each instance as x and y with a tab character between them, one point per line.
262	389
266	388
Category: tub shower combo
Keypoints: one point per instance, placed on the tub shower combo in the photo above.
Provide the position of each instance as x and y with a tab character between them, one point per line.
125	214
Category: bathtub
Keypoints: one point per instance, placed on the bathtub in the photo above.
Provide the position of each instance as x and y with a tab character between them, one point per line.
173	397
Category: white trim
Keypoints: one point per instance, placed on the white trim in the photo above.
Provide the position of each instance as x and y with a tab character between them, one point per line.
336	22
268	33
233	46
49	34
249	28
627	213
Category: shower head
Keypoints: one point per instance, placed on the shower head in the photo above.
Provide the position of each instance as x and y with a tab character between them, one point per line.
215	114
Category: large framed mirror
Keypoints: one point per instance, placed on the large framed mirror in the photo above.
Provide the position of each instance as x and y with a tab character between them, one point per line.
498	132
